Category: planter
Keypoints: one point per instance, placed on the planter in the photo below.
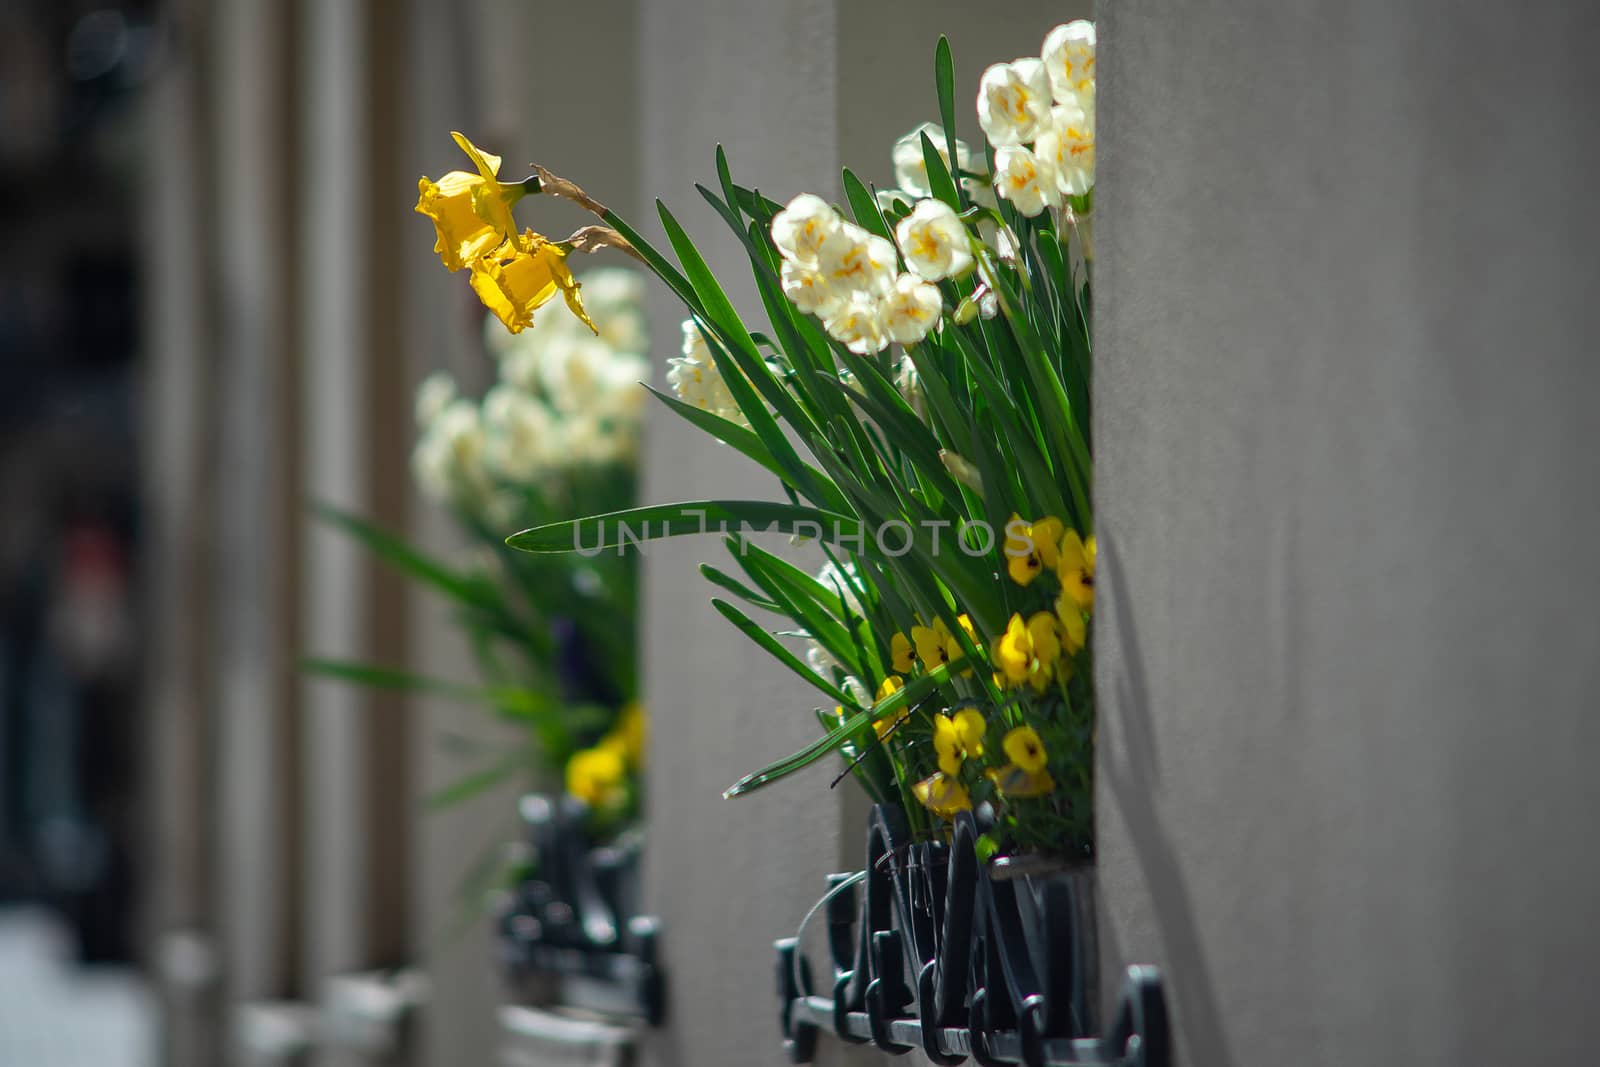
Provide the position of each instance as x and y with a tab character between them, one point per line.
572	934
996	962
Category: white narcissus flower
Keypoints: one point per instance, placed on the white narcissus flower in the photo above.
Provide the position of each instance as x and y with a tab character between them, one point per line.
1068	55
434	395
809	290
521	436
911	309
800	229
855	261
909	384
1020	177
570	371
858	324
844	583
1014	102
1067	148
911	167
934	241
698	382
448	461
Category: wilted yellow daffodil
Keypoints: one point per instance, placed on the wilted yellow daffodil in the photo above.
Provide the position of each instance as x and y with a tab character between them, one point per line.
595	776
904	657
470	212
1025	749
958	738
1012	781
942	795
521	276
1032	547
1075	568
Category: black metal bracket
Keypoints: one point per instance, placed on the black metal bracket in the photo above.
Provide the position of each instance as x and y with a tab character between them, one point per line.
965	960
574	921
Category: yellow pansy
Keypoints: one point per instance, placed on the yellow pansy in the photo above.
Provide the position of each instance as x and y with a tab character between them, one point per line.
471	213
1031	547
1073	630
932	643
522	276
942	795
1025	749
595	776
627	737
891	684
903	655
1028	651
1075	568
1012	781
958	738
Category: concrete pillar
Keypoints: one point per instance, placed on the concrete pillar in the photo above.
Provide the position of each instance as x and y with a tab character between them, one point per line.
257	501
179	430
355	742
1347	516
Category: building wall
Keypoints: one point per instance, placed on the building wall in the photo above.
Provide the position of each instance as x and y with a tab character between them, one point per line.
1346	504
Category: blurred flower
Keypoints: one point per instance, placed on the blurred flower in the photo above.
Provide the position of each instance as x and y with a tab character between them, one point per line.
448	461
614	296
596	776
1014	102
844	582
911	167
697	381
1024	748
1020	177
471	213
522	276
627	736
934	241
808	289
1067	148
433	396
942	795
909	385
1012	781
855	261
1068	55
522	437
800	229
858	325
911	310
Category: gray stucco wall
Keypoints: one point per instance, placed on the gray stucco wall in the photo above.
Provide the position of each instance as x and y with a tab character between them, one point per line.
1347	503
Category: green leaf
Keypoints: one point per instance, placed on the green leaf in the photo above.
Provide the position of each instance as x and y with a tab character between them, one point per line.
918	688
469	786
939	180
865	206
775	648
595	533
733	585
411	561
509	699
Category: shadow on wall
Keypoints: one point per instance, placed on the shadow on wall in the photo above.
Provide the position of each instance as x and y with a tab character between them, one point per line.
1132	773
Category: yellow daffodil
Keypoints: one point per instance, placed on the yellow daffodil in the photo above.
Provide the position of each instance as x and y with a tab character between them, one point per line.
903	655
470	212
942	795
1012	781
1075	568
595	776
958	738
1030	548
1025	749
522	276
